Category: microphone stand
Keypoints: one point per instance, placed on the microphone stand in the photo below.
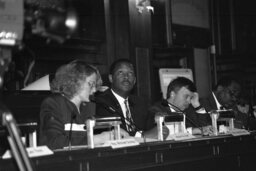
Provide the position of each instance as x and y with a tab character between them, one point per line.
187	117
115	111
70	131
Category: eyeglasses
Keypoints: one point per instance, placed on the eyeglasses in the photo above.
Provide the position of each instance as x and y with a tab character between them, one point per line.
233	93
92	85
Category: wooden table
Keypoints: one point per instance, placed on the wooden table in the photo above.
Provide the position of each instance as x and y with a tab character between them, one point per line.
206	153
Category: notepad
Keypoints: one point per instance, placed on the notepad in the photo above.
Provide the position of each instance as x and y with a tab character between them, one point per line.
238	132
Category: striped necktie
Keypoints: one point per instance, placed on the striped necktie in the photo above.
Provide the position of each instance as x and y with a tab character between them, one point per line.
129	120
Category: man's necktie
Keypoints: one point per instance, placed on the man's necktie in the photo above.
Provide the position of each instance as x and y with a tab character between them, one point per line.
129	121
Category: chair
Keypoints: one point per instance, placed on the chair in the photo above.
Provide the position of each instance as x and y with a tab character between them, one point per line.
166	75
175	123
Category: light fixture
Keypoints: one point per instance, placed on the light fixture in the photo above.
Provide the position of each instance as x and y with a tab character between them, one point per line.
144	4
54	24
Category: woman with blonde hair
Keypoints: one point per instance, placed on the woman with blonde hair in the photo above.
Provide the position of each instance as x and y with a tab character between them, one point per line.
73	84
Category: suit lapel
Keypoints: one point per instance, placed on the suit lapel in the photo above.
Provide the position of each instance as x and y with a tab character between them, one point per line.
115	103
166	107
117	106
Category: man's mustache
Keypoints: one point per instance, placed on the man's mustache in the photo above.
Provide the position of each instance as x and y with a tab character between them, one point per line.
126	81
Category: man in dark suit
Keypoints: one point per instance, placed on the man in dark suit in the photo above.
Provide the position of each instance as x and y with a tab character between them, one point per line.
226	95
182	97
118	101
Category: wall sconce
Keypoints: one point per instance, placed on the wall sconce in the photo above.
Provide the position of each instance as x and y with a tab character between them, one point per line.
144	4
54	24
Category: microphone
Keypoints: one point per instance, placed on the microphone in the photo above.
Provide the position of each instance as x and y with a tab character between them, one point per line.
73	116
187	117
113	110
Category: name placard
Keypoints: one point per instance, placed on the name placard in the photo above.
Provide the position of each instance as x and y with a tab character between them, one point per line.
180	136
32	152
122	143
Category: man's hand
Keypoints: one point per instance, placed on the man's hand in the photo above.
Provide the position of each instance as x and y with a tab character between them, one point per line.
195	100
109	135
153	133
123	133
207	130
244	108
103	137
254	111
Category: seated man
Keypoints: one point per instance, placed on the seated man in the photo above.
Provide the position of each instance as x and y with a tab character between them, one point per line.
118	101
182	97
226	95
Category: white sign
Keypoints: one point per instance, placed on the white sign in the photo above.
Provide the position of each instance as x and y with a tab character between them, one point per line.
122	143
32	152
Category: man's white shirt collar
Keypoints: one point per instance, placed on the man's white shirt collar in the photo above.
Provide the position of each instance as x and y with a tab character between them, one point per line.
172	110
122	104
119	98
216	101
121	101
